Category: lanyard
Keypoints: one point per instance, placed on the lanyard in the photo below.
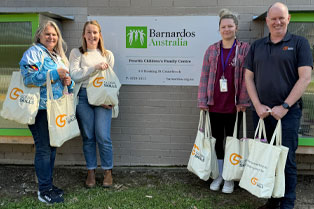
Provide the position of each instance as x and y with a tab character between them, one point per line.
224	64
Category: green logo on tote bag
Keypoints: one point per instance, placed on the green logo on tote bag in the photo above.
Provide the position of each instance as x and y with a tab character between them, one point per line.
136	37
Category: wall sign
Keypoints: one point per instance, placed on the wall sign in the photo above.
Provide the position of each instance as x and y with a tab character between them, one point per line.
165	50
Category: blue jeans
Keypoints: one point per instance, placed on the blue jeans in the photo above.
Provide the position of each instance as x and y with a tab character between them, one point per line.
290	127
45	154
95	125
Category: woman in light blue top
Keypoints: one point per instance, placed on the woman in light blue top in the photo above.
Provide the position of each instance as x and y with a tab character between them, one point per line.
46	55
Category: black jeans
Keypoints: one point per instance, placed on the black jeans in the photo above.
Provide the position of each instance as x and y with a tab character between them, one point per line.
222	125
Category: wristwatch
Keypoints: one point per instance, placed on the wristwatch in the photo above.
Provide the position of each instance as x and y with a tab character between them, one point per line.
285	105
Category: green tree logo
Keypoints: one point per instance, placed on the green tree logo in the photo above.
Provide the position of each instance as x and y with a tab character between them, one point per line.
136	37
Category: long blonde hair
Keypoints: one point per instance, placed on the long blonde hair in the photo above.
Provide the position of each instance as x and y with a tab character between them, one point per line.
61	46
101	47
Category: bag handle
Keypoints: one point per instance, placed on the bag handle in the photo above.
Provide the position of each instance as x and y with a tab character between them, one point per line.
208	128
260	129
200	123
277	134
49	87
103	72
244	125
235	129
204	127
279	138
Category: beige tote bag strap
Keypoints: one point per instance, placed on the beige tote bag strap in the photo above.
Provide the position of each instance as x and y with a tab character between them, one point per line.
277	134
200	123
260	129
244	125
235	129
208	128
48	86
208	132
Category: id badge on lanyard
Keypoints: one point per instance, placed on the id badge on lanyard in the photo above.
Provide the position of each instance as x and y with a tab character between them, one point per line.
223	84
223	81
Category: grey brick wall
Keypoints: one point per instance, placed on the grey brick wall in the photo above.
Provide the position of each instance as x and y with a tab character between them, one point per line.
157	124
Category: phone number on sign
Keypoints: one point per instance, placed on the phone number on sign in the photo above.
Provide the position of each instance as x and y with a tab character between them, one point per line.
135	78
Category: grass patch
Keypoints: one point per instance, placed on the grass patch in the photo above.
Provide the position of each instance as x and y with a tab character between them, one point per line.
162	196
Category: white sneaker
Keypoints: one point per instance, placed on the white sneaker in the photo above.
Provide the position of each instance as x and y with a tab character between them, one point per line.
228	187
215	185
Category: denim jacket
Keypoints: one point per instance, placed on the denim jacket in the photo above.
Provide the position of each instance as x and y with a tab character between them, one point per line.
35	64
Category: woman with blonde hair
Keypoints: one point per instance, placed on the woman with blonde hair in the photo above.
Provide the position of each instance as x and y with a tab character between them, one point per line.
222	90
94	121
46	56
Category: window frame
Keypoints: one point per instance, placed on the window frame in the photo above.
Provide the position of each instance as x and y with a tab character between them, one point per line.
19	17
304	17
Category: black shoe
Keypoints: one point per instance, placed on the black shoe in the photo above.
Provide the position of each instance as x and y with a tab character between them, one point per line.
50	197
271	204
57	190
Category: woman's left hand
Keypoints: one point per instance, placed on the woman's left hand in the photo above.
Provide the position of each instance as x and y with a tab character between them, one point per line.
107	106
62	73
66	81
102	66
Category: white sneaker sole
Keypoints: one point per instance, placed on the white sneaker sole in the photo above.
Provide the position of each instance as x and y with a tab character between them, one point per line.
38	194
227	192
214	189
42	200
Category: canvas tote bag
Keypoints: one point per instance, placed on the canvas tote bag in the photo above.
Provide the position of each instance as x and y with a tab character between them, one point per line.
236	153
62	122
279	188
103	88
259	173
115	109
21	103
203	159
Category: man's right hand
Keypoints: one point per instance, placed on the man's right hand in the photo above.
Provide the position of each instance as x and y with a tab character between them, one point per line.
262	111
